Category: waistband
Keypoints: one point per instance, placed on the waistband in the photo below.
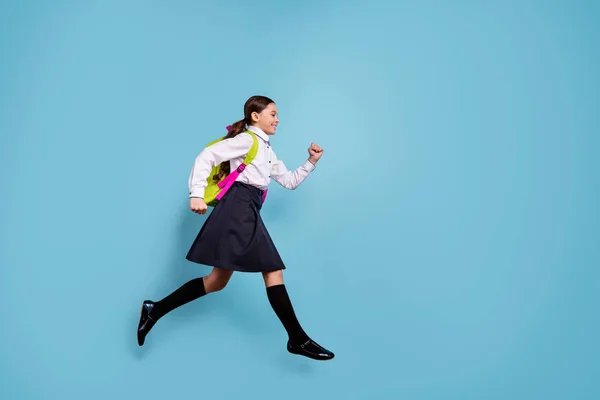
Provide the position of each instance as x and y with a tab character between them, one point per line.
255	189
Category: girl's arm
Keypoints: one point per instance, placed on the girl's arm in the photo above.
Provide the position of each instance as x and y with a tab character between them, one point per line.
212	156
290	179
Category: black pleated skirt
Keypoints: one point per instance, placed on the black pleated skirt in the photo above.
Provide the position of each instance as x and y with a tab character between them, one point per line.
234	236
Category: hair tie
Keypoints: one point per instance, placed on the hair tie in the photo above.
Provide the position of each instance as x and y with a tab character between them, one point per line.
228	127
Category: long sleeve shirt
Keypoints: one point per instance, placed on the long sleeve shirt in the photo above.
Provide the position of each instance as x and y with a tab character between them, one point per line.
262	169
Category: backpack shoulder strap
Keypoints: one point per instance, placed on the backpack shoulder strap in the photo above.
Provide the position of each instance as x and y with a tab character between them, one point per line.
253	149
226	183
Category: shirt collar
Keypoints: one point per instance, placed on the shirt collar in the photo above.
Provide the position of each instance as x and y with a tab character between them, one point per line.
259	132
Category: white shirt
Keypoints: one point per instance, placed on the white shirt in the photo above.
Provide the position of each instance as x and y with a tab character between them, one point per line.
265	165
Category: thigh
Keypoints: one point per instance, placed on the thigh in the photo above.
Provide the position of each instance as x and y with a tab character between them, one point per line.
273	278
220	274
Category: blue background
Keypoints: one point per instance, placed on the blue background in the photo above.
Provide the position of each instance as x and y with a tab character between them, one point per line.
445	248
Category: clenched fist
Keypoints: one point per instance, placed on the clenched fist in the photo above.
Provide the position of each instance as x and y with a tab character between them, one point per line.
315	153
198	205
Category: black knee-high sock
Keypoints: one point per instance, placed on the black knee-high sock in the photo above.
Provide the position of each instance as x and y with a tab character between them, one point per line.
189	291
280	301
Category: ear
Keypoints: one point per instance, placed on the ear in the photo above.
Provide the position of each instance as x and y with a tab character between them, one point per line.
255	116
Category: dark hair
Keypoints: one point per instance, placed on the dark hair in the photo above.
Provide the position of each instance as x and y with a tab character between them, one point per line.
253	104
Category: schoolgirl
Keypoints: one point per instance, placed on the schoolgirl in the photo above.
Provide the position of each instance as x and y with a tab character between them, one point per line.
234	237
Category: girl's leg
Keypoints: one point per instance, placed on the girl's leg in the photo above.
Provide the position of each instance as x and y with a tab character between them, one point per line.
192	290
282	305
299	342
189	291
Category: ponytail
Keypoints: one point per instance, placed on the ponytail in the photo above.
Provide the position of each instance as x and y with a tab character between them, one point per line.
234	130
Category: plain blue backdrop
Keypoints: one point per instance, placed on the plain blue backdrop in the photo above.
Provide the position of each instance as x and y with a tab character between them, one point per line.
446	247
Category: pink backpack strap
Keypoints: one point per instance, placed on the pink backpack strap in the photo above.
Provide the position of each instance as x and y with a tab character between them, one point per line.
232	177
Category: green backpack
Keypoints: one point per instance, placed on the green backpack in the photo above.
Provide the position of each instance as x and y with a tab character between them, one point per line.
215	191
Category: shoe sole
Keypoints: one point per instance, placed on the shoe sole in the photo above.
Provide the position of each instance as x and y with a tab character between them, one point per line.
309	356
140	343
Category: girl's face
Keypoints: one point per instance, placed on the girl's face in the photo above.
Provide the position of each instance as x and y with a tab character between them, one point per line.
267	120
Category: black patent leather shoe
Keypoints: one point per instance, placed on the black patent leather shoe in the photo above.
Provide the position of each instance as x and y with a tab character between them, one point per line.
310	349
146	321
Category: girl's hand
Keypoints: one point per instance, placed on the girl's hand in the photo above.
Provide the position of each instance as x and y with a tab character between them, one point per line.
198	205
315	153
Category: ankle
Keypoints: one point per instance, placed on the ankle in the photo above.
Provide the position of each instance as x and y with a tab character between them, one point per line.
157	310
299	339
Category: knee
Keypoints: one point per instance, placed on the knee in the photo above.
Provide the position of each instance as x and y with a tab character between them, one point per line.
214	284
219	285
273	277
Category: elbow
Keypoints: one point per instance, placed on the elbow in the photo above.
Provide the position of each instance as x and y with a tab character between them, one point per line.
292	185
288	181
289	185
